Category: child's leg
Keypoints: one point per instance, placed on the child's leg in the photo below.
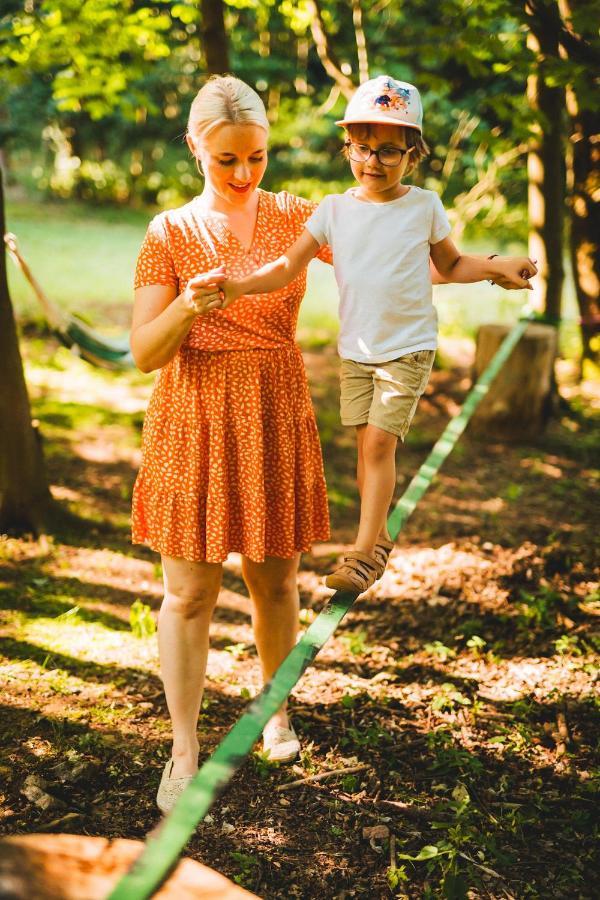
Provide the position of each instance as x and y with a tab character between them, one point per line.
376	477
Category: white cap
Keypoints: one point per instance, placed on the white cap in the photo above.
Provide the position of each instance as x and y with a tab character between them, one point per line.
385	101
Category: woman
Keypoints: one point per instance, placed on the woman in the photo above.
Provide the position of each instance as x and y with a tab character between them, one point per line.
231	455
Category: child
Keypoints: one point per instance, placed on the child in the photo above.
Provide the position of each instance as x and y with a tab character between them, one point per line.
382	234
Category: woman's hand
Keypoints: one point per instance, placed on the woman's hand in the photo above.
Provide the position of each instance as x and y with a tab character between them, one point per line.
203	292
513	272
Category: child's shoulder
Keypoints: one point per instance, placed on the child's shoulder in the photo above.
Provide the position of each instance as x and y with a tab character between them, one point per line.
290	205
423	193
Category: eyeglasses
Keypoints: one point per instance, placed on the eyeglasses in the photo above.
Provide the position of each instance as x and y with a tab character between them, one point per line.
387	156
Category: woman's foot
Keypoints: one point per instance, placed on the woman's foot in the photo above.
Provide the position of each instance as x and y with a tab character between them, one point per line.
170	789
280	744
356	574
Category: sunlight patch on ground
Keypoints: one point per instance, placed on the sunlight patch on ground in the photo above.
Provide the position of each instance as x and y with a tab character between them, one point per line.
61	492
92	643
107	449
106	567
536	678
78	382
420	572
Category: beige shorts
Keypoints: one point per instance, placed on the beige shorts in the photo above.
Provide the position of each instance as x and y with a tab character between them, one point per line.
384	394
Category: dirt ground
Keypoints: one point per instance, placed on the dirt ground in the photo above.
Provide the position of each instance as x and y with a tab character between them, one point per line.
463	685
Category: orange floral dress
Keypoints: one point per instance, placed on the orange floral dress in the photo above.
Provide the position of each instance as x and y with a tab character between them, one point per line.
231	459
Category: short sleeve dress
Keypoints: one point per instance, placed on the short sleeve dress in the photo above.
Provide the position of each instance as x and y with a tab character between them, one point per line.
231	459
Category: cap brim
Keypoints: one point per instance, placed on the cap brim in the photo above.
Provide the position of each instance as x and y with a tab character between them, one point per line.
379	120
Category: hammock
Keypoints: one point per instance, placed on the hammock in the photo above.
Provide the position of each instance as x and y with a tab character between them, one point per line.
70	329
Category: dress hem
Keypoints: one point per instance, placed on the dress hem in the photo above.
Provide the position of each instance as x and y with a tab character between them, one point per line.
305	548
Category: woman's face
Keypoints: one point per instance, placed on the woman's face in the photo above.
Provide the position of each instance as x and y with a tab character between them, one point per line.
234	159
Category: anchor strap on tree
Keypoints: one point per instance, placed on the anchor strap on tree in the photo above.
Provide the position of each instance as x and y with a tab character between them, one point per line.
70	329
164	846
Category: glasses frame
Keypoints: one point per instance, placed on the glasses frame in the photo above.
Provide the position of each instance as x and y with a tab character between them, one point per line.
400	150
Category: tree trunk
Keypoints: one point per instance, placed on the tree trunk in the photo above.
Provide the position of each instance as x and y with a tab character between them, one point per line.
585	223
516	405
547	185
24	495
77	867
214	37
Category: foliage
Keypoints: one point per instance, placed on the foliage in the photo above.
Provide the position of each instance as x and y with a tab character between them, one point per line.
111	110
141	620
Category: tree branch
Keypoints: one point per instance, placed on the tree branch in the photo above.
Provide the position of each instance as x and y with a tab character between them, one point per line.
326	53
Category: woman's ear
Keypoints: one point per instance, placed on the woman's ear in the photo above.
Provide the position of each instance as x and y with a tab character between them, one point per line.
190	142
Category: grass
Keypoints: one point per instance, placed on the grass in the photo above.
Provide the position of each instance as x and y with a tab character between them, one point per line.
85	263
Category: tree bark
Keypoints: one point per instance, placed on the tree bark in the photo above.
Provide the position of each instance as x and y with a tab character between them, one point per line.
214	37
516	406
25	499
547	185
73	866
585	224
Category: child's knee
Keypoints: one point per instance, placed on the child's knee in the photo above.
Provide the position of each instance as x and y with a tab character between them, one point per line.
378	444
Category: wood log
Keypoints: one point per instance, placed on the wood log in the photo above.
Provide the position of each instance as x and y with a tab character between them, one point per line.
78	867
517	404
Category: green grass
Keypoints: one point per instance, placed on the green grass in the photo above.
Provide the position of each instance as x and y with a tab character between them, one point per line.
84	258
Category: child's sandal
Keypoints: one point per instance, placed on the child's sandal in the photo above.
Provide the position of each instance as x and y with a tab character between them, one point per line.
381	553
357	573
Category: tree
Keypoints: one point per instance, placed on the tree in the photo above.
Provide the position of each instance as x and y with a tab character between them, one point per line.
214	37
25	499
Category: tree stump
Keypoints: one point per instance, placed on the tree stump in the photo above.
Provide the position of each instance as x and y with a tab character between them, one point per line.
518	401
77	867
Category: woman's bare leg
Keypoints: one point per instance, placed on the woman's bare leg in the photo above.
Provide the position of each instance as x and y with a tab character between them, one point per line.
273	586
191	591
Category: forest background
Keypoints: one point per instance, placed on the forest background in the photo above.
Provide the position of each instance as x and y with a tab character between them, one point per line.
464	686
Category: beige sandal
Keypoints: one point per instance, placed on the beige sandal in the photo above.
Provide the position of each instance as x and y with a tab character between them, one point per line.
357	573
382	551
170	789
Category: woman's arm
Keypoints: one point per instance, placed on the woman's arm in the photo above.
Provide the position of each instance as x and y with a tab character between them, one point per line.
162	319
275	275
510	272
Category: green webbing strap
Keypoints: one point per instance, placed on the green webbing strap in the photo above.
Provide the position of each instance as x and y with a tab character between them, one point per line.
163	848
453	431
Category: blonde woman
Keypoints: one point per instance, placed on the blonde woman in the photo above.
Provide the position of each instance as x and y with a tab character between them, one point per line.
231	454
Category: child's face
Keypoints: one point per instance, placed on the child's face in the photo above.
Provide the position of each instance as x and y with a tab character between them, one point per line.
378	182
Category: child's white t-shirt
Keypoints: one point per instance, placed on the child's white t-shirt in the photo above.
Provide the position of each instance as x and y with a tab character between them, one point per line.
381	263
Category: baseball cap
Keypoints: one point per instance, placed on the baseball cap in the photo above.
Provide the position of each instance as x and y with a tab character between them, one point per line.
385	101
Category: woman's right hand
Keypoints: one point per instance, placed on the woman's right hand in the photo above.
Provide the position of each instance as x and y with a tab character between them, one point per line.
202	293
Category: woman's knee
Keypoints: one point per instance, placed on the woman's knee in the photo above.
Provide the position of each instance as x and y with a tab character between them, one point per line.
273	583
190	603
191	589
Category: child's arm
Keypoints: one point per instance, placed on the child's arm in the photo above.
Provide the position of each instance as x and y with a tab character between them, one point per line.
274	275
510	272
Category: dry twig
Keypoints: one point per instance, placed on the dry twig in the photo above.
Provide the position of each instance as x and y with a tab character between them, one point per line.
321	776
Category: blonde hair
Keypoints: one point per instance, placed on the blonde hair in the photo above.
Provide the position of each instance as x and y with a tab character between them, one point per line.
362	131
225	100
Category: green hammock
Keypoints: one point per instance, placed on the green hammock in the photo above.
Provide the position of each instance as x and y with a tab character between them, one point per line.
70	329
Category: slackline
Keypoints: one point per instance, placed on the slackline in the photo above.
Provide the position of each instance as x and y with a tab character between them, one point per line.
163	848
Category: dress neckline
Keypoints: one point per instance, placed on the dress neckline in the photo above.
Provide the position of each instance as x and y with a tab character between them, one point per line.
219	218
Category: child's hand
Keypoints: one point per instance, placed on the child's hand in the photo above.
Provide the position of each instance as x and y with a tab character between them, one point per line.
203	292
513	272
229	292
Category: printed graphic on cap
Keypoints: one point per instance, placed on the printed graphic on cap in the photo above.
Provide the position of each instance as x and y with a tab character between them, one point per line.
392	97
